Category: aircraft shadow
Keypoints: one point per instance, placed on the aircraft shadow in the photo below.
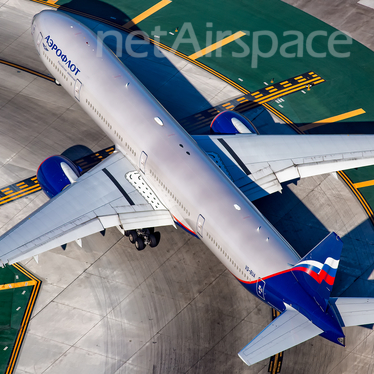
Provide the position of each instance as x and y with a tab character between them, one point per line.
99	9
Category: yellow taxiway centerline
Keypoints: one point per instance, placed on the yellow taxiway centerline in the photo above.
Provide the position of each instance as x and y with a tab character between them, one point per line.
147	13
217	45
27	70
340	117
10	286
364	184
358	194
25	319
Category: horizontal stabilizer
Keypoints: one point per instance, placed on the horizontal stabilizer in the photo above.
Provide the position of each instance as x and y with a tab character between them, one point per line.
289	329
355	311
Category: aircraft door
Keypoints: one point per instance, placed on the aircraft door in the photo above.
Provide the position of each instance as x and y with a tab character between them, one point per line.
142	162
77	89
260	288
200	225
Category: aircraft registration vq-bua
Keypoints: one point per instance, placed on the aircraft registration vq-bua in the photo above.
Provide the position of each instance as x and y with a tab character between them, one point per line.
159	175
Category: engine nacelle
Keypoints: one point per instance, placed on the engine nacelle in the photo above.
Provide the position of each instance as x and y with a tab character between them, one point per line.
56	173
229	122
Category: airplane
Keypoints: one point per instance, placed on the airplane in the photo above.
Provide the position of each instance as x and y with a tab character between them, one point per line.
159	175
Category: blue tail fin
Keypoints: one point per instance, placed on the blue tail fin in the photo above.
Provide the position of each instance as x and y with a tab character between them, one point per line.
316	271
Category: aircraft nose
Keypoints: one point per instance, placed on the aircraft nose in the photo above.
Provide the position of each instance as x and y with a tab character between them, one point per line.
40	18
35	18
34	23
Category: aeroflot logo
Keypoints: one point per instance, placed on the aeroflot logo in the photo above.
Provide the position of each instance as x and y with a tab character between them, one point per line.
64	59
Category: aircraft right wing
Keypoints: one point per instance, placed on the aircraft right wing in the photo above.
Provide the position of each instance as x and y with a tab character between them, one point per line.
287	330
112	193
258	164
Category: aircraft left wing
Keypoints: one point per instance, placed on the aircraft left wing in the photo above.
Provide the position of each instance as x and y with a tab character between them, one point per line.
287	330
258	164
112	193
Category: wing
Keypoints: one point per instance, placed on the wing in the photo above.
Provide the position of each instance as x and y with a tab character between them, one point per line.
258	164
112	193
31	185
289	329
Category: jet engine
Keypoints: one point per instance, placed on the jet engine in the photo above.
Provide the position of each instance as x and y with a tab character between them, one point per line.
229	122
56	173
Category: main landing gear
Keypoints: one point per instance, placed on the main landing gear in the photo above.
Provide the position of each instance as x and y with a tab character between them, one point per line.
143	237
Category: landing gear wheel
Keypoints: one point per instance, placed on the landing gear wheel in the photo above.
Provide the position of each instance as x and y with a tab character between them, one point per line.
127	233
139	244
154	239
133	236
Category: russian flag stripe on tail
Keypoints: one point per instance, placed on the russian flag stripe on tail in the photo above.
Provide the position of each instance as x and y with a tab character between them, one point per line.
320	272
317	270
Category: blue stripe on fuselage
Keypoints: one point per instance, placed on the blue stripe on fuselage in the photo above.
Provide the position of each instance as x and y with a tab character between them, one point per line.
185	228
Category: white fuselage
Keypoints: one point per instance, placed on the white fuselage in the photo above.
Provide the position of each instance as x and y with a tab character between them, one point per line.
180	173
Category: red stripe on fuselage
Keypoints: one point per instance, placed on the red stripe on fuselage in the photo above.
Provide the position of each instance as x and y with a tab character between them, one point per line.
192	232
318	277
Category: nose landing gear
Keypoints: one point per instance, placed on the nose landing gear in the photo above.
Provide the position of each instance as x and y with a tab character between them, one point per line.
143	237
